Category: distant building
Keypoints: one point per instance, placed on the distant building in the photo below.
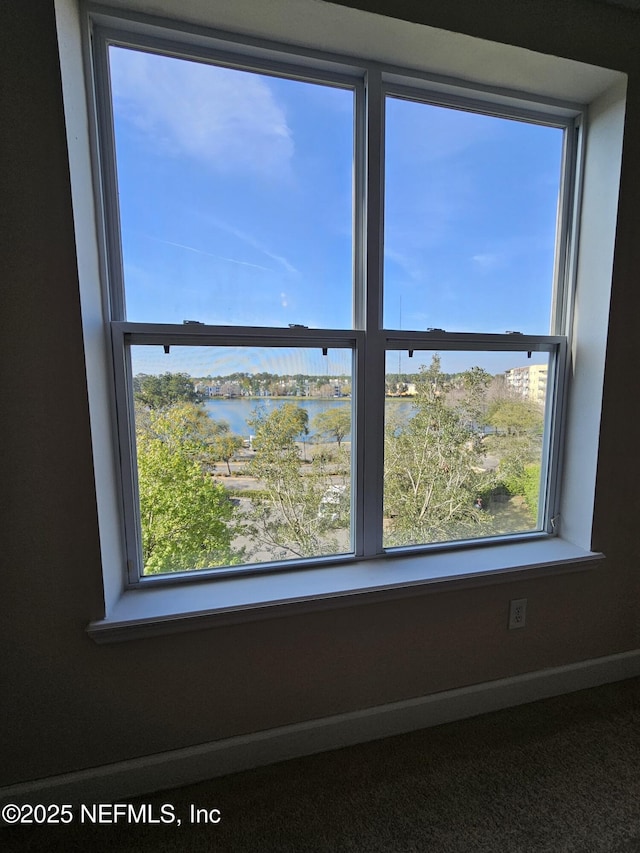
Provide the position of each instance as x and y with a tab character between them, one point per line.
529	382
208	390
231	389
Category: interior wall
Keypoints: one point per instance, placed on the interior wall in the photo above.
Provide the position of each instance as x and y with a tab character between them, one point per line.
69	704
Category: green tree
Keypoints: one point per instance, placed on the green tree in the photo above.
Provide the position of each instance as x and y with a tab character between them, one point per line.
225	446
515	416
432	467
518	444
290	520
191	424
185	516
531	487
167	389
475	383
334	423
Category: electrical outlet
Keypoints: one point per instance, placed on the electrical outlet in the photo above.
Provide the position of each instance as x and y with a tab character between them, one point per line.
517	613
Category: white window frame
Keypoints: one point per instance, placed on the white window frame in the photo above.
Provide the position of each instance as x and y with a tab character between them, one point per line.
371	85
129	614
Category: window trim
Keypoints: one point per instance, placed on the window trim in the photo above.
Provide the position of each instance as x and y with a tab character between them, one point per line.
167	608
486	66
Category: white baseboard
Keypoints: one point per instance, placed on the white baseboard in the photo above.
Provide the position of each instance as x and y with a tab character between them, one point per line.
178	767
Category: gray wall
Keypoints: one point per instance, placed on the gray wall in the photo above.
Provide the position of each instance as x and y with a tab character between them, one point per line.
68	703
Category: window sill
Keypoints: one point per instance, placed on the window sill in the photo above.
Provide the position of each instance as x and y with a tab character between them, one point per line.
170	609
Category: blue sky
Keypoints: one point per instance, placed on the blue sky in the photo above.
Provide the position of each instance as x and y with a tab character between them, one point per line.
236	205
470	217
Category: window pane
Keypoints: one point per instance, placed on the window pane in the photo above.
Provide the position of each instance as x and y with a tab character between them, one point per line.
243	454
463	445
470	220
235	193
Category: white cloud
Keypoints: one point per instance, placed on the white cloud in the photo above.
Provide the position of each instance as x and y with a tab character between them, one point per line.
203	252
209	254
255	244
489	261
224	118
409	263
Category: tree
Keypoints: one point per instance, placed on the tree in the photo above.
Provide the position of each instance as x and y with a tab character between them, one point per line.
432	467
475	383
515	416
191	424
531	487
518	446
290	521
185	516
157	392
335	423
225	446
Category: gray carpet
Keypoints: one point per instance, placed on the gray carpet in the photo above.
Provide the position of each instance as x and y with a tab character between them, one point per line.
559	776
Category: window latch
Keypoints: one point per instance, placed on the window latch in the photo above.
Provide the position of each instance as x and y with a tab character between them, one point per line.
518	333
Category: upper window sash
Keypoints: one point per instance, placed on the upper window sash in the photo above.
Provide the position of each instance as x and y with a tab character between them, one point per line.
371	83
568	119
265	61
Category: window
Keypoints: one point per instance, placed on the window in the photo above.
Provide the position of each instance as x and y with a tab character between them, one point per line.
339	301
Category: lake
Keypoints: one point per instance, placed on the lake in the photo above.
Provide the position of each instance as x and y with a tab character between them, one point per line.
238	410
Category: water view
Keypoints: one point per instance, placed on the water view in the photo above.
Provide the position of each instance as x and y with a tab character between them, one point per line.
238	411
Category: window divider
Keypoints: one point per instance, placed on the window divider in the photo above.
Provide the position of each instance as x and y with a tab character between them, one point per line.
372	429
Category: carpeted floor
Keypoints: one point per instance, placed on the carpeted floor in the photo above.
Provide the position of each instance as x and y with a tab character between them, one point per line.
558	776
